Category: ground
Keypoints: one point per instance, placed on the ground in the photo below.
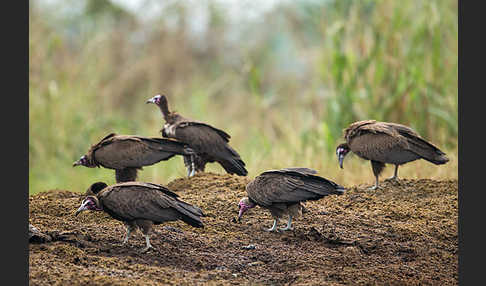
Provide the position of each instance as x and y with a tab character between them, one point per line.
402	234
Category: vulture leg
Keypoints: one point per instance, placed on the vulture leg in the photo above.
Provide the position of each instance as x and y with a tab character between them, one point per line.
127	236
147	240
376	185
377	168
289	224
188	162
395	175
146	227
129	228
274	227
193	168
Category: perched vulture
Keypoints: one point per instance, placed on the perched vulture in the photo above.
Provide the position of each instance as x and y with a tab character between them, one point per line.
140	205
126	154
210	144
384	142
282	191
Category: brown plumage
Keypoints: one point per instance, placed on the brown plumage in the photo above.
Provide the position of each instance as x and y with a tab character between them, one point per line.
282	191
210	144
385	142
127	154
140	205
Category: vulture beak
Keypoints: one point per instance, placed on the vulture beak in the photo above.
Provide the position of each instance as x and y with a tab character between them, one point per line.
151	100
341	159
77	163
240	214
82	208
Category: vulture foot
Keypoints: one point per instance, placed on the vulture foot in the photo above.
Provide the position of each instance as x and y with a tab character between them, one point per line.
274	227
392	178
289	225
375	187
147	248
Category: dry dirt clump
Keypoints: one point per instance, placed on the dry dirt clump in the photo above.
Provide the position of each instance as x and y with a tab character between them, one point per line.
402	234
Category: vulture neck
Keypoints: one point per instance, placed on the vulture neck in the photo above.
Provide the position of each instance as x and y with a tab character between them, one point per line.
164	108
99	207
91	160
252	203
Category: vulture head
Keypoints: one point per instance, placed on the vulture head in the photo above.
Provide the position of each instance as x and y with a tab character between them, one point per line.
156	99
244	205
341	151
90	203
161	102
84	161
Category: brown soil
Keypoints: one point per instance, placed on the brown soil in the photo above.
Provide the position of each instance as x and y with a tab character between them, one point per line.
402	234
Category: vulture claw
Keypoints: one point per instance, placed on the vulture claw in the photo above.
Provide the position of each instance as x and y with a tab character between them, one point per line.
147	248
392	178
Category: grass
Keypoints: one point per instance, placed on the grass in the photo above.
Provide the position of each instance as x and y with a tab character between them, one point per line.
284	90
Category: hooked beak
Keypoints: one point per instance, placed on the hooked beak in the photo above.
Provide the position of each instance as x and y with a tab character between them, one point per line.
81	208
240	214
341	159
151	100
77	163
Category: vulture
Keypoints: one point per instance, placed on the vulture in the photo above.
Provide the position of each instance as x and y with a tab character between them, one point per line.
385	142
127	154
209	144
282	191
140	205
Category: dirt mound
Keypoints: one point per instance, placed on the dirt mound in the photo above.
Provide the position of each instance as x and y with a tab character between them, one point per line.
402	234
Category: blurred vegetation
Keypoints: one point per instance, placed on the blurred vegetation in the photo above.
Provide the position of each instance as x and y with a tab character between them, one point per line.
284	85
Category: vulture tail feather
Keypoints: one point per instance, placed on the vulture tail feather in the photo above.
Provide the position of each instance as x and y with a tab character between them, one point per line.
234	166
190	214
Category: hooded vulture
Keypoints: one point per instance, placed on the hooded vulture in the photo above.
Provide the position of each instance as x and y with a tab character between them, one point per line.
384	142
140	205
210	144
126	154
282	191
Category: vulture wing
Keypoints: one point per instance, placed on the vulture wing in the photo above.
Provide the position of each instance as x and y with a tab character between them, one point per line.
290	186
134	200
130	151
225	136
205	139
390	143
420	146
301	170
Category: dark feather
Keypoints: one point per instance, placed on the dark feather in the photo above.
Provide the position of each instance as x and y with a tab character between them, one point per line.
211	145
128	153
145	201
390	143
289	186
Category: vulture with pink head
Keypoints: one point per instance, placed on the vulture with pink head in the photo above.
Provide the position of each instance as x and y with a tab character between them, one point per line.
140	206
282	192
126	154
209	144
385	142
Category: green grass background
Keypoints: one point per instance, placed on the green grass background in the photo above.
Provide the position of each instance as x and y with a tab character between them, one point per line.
283	85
